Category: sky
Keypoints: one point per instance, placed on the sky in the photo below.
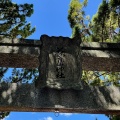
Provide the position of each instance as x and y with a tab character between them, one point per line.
50	17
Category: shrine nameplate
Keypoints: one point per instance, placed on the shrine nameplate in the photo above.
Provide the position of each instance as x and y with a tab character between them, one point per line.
60	63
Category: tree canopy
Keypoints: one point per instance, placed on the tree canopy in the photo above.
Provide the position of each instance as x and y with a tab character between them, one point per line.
76	18
106	22
13	19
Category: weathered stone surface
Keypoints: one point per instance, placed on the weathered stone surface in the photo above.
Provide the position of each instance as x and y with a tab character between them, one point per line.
100	46
101	64
18	60
100	56
60	63
106	55
17	95
19	42
26	97
19	53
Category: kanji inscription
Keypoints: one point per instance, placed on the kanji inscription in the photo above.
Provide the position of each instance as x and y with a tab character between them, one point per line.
60	63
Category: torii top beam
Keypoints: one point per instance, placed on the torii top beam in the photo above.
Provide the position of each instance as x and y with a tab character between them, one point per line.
24	54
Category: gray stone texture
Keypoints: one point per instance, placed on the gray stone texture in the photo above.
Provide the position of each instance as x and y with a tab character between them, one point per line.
19	53
69	74
26	97
24	54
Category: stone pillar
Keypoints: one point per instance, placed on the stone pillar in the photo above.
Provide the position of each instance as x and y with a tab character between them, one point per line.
60	63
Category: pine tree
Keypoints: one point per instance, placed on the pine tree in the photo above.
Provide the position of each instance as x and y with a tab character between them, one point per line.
106	22
13	19
76	18
3	115
113	117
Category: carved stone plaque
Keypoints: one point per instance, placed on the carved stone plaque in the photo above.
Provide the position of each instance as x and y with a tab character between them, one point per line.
60	63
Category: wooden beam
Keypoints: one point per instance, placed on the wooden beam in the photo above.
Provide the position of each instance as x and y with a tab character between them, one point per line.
25	97
24	54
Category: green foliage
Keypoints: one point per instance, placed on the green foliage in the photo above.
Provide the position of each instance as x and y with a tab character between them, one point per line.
3	115
114	3
19	75
23	75
98	22
13	19
106	22
76	18
113	117
3	70
85	2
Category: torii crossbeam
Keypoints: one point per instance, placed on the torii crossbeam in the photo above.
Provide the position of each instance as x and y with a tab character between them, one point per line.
27	97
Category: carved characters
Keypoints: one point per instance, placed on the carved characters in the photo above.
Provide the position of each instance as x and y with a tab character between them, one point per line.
60	63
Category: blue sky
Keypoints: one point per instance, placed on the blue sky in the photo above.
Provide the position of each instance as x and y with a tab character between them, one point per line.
50	17
51	116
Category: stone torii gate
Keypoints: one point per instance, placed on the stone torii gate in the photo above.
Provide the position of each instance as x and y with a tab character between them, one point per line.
59	87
